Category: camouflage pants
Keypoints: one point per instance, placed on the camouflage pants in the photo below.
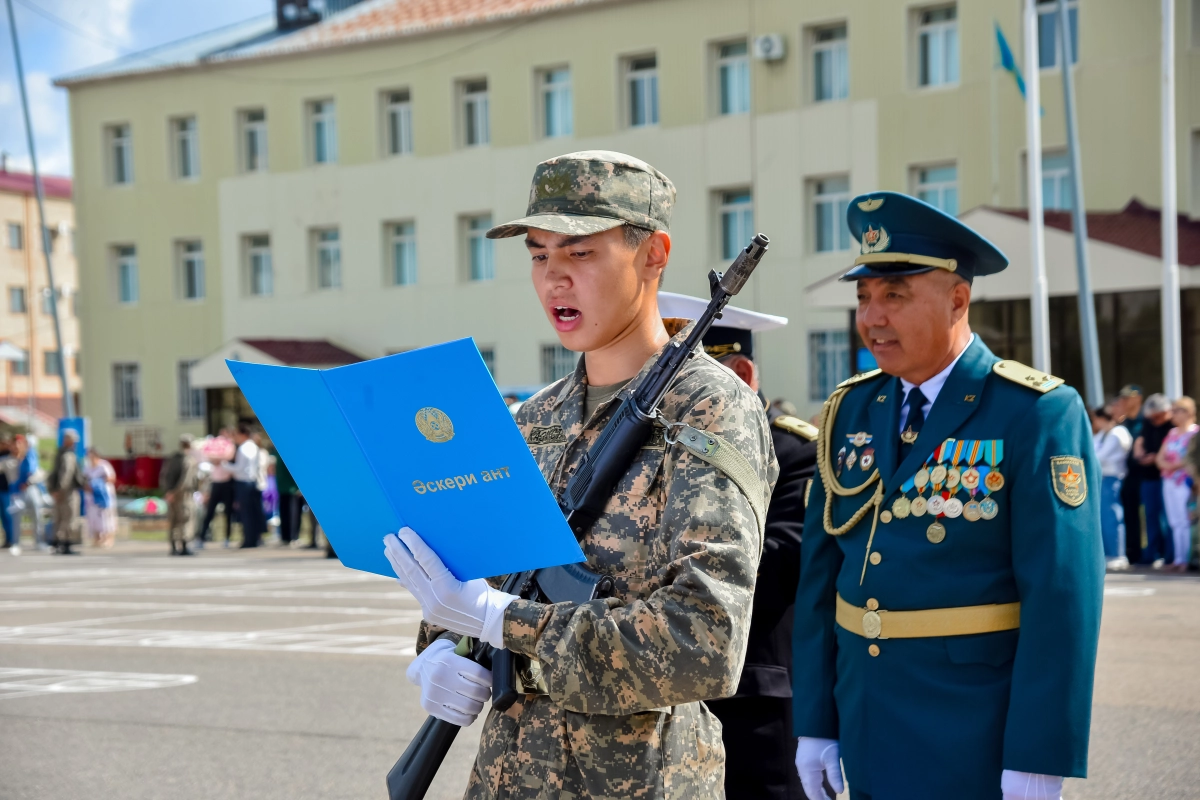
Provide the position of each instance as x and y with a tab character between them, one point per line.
67	523
538	751
179	520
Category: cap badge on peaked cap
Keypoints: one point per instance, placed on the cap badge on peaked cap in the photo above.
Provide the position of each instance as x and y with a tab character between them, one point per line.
870	204
875	240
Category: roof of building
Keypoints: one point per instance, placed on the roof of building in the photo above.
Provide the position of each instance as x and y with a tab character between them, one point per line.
1137	226
304	351
369	21
22	183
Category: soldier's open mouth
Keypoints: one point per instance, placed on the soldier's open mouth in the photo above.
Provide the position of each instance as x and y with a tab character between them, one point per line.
566	314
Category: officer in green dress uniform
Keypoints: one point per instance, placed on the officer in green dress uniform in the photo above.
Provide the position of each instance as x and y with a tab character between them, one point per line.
948	613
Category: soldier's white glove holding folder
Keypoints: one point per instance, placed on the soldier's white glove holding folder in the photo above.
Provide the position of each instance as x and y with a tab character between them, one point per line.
472	608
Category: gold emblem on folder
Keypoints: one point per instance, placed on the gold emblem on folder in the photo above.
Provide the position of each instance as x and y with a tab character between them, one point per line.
434	425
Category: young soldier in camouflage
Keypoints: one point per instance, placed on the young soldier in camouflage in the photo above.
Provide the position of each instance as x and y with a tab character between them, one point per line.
613	708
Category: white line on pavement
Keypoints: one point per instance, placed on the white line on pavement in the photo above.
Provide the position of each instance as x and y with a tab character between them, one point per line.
23	682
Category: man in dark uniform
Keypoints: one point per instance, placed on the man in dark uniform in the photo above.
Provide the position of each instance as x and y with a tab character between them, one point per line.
757	721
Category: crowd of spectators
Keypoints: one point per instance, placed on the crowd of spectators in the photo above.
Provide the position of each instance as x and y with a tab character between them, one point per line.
1148	456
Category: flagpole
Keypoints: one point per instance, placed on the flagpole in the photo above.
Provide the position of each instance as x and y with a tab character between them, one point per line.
1093	383
1039	298
1171	327
995	124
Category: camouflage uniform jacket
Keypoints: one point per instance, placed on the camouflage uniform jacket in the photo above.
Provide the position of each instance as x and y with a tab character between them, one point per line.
623	718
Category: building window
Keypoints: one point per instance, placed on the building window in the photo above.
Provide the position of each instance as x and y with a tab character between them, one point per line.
397	121
127	273
1048	37
828	362
938	186
558	111
127	392
328	258
322	115
48	300
191	270
403	250
49	237
1056	182
186	147
831	64
260	277
557	362
641	85
120	154
254	140
16	236
16	300
937	43
20	366
51	363
831	197
737	222
476	127
488	354
191	401
481	265
733	77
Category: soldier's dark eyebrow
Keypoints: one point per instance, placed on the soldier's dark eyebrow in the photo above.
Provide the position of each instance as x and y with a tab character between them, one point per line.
532	243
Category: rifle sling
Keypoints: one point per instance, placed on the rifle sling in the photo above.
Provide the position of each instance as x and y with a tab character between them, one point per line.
714	450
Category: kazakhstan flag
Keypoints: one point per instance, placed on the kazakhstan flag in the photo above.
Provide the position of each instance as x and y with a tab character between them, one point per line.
1007	61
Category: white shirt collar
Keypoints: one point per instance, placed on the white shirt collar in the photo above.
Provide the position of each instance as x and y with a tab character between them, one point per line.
933	386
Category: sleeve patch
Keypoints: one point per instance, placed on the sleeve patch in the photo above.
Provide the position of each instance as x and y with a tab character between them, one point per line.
1070	482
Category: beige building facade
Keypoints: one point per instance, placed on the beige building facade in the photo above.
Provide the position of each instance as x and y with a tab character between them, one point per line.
334	182
30	364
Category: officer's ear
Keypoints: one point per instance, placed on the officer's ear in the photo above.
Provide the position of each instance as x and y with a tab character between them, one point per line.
960	296
657	254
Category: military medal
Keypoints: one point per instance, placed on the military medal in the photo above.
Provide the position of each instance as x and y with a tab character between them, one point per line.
919	506
954	508
937	504
909	436
938	475
921	479
851	459
995	452
970	477
868	458
859	439
988	508
971	511
954	474
841	461
901	508
935	533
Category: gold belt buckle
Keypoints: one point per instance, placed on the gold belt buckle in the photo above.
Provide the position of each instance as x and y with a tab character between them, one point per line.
872	624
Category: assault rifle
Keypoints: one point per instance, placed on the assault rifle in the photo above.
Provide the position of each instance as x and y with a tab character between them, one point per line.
587	492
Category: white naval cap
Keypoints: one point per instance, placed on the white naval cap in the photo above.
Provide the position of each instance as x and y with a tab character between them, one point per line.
729	334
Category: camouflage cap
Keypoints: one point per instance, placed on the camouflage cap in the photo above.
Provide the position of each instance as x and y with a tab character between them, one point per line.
594	191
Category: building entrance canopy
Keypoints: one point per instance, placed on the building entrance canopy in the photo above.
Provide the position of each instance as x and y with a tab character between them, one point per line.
211	372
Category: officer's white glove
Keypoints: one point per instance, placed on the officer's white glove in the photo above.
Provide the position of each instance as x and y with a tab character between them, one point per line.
472	608
1030	786
453	688
817	759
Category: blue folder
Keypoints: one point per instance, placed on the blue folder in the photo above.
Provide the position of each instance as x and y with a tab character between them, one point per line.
422	439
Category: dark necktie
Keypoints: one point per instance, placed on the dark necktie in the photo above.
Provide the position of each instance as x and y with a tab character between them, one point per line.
916	418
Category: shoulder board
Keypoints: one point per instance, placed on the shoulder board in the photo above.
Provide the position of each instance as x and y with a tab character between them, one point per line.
1028	377
797	426
859	378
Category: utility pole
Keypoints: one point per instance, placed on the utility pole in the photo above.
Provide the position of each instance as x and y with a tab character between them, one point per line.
1087	308
68	405
1039	297
1171	328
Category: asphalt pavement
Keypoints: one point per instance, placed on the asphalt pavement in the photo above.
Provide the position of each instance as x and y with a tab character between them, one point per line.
279	674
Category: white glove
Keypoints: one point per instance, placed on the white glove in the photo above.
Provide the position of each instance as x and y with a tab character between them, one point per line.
472	608
817	759
1030	786
453	688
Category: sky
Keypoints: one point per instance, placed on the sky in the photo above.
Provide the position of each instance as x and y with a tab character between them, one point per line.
89	32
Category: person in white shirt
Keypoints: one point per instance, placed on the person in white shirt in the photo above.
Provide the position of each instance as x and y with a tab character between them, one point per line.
1113	443
247	497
